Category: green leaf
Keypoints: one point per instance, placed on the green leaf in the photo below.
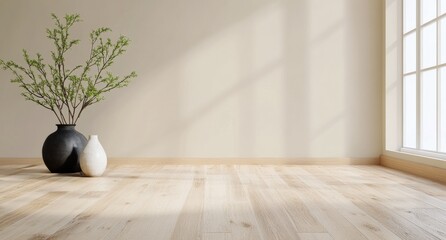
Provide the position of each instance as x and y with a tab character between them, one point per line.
66	90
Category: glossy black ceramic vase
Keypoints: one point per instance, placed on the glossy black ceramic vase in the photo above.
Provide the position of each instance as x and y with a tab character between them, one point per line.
62	149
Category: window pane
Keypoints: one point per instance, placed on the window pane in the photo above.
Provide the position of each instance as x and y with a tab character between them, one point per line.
410	14
410	53
428	10
429	45
429	110
410	112
442	6
443	110
443	41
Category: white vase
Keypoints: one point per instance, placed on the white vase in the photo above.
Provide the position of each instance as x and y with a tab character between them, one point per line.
93	159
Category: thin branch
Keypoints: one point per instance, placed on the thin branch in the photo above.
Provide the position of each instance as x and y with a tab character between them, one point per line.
67	93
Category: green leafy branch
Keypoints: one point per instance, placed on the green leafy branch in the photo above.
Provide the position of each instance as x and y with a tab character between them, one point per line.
64	91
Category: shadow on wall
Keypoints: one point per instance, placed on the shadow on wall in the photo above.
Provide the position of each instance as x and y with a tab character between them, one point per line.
364	77
253	78
223	78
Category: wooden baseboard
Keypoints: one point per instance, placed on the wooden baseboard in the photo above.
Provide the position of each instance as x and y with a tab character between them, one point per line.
251	161
422	170
211	161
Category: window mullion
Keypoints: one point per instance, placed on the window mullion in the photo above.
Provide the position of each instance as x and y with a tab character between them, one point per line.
438	110
418	74
409	32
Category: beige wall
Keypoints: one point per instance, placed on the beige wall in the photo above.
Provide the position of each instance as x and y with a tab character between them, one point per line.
393	70
252	78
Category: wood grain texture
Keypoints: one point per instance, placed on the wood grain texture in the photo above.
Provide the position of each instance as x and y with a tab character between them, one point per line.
213	202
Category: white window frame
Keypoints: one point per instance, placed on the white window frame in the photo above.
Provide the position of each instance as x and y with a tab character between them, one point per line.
417	30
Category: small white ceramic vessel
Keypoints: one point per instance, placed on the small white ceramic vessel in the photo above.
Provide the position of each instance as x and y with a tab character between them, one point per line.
93	159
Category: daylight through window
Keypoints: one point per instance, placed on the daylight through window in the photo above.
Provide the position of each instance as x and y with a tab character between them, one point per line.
424	75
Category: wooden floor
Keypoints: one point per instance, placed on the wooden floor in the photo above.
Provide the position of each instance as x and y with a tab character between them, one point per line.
221	202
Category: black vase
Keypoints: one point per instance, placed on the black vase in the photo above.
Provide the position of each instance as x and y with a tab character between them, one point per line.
62	149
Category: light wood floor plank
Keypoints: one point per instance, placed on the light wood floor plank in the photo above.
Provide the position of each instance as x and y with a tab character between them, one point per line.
215	212
30	208
272	220
243	224
159	207
423	218
300	215
87	217
330	217
51	213
315	236
399	225
221	202
189	223
366	224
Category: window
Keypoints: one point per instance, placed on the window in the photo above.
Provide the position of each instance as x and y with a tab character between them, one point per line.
424	76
